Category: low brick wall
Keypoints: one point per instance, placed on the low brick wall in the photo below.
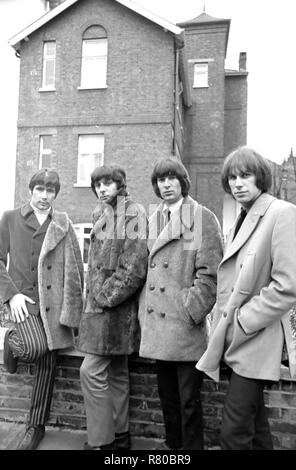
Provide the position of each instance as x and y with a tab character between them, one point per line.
145	412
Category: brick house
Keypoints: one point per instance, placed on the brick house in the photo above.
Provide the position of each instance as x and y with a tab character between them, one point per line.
108	81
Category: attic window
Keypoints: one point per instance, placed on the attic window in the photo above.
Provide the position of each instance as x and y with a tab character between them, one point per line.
94	58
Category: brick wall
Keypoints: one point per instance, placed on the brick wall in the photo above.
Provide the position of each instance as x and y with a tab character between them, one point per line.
134	112
145	412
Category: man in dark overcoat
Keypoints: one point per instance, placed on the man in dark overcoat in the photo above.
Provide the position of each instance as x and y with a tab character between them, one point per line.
41	286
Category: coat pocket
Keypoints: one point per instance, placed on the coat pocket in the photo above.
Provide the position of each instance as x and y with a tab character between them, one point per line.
247	274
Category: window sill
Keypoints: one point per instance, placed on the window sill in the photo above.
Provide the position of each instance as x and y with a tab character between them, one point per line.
46	89
81	185
92	87
205	86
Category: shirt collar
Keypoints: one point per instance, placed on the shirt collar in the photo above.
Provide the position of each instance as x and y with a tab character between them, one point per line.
27	210
172	207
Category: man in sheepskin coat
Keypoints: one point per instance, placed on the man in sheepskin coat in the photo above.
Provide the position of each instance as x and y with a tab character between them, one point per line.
184	252
42	288
109	330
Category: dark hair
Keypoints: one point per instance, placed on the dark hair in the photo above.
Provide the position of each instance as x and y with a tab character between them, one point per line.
46	177
173	167
111	172
246	159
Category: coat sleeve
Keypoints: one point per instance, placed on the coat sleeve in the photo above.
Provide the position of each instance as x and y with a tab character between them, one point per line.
197	301
73	282
130	272
7	286
279	296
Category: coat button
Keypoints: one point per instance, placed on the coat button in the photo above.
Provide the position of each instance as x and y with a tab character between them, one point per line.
149	309
165	264
48	287
162	314
151	287
49	267
162	289
152	265
224	314
232	289
47	309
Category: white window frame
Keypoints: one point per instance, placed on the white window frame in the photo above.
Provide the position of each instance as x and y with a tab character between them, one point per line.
90	155
42	151
94	64
82	231
201	75
48	59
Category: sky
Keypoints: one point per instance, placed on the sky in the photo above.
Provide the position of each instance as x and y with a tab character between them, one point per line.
264	29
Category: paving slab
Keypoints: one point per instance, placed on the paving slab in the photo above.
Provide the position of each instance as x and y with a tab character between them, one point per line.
59	438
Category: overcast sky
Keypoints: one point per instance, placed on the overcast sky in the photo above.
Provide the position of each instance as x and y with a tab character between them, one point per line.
265	29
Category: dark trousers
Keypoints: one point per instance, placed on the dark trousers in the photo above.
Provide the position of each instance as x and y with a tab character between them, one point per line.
28	342
179	386
245	425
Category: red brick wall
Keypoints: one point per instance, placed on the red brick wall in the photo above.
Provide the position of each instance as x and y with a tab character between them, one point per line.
145	411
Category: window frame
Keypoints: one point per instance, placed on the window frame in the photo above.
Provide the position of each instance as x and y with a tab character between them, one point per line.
46	152
100	59
203	76
45	60
80	182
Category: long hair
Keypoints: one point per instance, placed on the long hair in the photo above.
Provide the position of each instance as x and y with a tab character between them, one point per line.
170	167
111	172
246	159
46	177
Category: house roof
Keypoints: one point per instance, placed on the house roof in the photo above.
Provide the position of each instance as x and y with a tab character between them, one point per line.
17	38
203	18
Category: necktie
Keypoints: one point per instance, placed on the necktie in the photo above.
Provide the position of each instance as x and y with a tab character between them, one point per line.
241	218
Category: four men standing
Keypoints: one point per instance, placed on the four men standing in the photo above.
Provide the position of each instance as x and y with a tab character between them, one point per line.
256	288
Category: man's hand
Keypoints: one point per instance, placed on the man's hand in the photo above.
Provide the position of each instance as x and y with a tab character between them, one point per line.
18	307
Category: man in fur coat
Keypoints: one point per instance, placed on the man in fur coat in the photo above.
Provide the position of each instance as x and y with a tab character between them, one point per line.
184	252
42	288
109	330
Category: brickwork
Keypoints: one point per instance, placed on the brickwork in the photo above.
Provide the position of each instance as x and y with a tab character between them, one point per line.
135	111
145	411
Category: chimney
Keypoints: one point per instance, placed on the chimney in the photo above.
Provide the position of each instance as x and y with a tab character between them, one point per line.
243	61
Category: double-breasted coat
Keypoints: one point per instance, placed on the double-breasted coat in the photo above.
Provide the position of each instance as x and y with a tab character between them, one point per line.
256	289
117	265
58	287
181	283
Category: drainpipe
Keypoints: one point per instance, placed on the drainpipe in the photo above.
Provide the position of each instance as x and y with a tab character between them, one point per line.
176	97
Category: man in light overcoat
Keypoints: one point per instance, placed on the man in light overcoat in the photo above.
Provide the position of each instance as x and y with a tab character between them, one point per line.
256	289
180	291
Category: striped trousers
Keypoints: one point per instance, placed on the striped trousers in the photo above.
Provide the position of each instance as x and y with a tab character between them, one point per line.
28	342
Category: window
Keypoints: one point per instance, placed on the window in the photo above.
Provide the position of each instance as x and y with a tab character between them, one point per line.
200	75
45	151
94	63
49	59
90	155
83	232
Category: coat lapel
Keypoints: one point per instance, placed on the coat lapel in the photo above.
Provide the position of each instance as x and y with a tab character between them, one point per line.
180	221
251	221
